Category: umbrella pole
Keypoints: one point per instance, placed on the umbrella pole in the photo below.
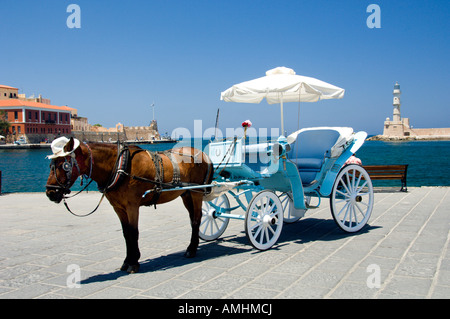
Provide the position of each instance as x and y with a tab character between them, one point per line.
282	118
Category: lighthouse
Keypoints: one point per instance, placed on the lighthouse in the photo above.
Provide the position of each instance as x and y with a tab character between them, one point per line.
398	127
397	116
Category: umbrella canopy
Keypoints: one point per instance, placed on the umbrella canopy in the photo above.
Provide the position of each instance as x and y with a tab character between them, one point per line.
282	85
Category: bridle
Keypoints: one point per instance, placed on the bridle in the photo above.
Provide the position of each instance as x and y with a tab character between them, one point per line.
70	162
68	166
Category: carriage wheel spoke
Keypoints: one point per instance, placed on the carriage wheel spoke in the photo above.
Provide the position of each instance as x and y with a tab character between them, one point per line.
362	213
342	209
259	224
266	232
343	194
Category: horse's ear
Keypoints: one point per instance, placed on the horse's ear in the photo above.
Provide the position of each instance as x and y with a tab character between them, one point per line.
69	146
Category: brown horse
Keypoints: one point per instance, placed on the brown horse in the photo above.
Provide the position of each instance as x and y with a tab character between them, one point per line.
124	175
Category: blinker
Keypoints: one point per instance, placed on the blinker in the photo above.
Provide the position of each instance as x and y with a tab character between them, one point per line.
66	166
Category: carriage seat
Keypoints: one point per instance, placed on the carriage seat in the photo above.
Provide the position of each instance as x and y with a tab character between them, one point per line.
310	149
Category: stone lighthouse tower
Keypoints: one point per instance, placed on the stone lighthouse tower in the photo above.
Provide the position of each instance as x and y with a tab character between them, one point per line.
398	127
397	116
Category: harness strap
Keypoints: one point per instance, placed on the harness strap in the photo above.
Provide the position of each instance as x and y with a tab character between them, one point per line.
159	176
119	173
176	179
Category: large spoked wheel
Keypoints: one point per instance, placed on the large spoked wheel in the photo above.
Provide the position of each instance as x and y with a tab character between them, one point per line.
264	220
291	215
212	225
351	199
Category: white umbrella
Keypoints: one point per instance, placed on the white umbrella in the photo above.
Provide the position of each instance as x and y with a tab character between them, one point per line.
282	85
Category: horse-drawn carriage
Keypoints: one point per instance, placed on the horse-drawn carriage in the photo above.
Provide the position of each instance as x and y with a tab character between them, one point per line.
278	180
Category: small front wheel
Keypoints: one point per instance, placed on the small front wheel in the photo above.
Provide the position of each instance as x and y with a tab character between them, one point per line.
291	214
264	220
351	199
212	225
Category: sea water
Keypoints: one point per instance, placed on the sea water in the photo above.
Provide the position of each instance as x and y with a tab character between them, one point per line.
28	170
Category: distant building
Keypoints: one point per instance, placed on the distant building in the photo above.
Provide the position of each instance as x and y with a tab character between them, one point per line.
32	117
8	92
400	129
37	120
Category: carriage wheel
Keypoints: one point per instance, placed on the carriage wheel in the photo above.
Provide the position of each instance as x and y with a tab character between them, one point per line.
212	225
291	215
351	200
264	220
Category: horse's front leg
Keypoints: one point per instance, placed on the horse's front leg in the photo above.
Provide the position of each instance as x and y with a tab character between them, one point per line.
129	220
193	203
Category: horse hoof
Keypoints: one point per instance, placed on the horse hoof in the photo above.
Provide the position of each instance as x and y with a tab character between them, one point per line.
189	254
132	269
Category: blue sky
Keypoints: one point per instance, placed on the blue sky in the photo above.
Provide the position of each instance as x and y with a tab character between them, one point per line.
182	54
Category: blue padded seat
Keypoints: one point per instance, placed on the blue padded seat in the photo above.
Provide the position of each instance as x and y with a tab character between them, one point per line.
309	150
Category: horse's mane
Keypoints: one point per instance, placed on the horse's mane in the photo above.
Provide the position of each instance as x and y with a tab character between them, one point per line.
110	146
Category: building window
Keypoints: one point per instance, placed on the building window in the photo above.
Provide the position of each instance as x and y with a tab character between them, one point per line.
16	115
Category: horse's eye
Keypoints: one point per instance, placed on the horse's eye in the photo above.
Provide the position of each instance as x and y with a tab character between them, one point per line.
66	166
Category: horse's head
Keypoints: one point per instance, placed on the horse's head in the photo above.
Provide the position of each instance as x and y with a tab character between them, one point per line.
64	169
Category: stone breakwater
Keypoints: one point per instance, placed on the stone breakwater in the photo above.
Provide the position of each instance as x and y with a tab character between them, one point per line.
410	138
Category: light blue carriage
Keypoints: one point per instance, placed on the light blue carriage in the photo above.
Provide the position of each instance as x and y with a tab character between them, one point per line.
274	183
279	180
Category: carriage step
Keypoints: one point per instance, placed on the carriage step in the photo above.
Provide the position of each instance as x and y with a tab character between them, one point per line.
308	203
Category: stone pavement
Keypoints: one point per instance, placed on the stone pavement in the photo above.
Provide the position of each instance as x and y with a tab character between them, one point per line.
402	253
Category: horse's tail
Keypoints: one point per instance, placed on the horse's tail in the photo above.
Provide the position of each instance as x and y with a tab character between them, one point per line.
210	173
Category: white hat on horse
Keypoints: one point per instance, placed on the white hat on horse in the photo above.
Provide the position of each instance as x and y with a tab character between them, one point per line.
58	147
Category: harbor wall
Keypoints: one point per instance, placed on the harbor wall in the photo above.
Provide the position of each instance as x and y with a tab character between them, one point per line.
131	133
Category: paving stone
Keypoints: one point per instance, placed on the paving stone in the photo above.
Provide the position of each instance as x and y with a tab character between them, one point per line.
407	238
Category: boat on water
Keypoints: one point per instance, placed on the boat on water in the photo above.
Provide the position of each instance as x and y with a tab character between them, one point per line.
21	141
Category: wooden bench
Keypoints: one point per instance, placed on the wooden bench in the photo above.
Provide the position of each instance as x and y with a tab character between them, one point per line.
388	172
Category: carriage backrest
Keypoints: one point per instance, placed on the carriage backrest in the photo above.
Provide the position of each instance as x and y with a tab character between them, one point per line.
314	143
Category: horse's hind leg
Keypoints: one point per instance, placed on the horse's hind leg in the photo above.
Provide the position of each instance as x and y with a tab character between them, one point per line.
193	203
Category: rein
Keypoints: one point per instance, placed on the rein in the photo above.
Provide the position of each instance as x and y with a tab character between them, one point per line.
91	164
115	178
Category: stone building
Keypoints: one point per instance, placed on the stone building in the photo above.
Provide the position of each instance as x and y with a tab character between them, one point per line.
35	119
